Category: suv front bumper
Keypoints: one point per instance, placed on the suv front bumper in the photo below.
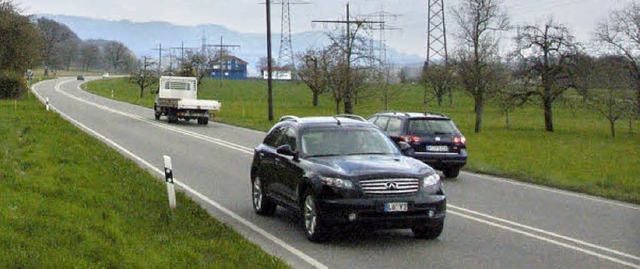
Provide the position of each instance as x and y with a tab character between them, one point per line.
370	212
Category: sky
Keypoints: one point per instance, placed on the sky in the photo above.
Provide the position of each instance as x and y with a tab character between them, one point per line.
249	16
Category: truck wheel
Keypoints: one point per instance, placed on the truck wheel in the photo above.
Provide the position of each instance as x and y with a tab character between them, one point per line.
173	116
156	112
205	121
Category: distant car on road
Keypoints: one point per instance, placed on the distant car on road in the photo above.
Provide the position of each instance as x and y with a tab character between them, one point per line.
435	139
344	172
105	76
80	77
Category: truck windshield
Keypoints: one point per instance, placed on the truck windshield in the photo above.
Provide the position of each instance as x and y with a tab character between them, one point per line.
178	86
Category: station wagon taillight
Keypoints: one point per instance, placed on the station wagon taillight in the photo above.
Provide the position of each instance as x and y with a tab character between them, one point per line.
460	140
411	139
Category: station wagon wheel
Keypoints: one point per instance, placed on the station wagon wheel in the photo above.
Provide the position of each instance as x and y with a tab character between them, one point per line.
261	203
312	222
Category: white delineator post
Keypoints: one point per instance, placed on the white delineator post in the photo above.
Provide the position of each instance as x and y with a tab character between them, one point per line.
47	103
168	176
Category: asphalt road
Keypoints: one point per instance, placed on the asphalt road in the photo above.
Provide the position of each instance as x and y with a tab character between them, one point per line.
491	222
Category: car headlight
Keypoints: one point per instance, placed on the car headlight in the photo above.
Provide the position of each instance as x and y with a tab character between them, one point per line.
337	182
431	180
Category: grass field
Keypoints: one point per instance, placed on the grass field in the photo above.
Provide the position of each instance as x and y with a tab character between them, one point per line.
580	155
69	201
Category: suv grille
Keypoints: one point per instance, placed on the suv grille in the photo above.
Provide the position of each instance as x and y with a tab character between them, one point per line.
390	186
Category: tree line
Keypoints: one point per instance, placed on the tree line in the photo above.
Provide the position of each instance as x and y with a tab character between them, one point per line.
29	42
545	64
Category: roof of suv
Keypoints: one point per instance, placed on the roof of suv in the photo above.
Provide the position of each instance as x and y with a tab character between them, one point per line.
350	120
414	114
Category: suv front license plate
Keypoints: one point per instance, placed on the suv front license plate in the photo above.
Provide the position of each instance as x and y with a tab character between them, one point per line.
396	207
438	148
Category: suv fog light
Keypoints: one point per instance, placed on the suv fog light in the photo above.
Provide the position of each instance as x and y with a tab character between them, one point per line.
431	213
352	216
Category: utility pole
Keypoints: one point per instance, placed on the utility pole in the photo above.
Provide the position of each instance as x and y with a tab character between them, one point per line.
436	33
222	56
269	69
159	49
348	109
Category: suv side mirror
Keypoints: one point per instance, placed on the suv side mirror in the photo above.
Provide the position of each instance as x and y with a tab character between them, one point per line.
287	150
406	148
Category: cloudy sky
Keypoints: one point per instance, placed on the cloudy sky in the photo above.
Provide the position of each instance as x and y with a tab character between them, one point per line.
248	16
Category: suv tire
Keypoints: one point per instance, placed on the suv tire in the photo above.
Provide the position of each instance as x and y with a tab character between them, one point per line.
261	203
428	231
313	228
451	172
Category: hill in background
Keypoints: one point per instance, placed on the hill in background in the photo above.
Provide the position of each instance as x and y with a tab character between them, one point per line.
144	38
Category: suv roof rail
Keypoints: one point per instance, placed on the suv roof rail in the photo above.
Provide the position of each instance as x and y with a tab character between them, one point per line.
351	116
436	113
396	112
289	117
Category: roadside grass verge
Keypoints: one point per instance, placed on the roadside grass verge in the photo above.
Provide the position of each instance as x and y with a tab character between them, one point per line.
579	156
67	200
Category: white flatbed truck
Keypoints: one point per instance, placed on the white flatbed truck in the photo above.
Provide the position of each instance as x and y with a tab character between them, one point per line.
178	99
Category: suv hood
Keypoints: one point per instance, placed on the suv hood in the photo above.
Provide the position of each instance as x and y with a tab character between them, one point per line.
371	166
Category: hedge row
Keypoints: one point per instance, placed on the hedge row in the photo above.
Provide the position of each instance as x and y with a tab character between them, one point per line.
12	85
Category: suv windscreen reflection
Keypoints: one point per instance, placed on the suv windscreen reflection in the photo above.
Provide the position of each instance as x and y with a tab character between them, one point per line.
338	142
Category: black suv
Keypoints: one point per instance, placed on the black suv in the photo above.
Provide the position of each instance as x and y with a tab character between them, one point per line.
434	138
343	172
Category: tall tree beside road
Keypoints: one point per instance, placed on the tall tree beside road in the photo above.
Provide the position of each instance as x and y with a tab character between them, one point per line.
56	39
118	56
89	55
621	32
19	39
479	20
547	57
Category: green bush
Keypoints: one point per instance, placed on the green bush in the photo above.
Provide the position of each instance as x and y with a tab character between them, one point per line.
12	85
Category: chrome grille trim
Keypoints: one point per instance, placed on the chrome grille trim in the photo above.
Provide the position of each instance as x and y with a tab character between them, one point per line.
403	186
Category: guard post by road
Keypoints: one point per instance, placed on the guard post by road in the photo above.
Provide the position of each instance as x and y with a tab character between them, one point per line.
168	176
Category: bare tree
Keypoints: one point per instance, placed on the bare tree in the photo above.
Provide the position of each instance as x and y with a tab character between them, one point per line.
547	54
479	20
197	64
311	72
621	32
441	79
145	77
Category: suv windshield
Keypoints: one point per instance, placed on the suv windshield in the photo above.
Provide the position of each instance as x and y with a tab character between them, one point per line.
345	141
431	126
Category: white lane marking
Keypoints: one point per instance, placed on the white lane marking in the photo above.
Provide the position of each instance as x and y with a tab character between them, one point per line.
586	251
551	234
557	191
248	151
235	216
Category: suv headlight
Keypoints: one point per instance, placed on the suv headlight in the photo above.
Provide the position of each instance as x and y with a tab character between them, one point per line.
336	182
431	180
